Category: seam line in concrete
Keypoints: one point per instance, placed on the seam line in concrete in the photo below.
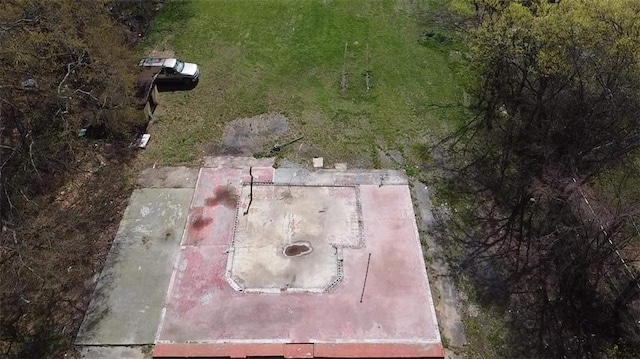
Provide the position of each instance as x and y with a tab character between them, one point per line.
176	260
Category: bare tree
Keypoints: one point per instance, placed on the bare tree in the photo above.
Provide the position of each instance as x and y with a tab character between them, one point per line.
64	66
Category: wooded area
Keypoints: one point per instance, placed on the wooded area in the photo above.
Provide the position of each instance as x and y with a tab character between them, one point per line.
64	65
550	169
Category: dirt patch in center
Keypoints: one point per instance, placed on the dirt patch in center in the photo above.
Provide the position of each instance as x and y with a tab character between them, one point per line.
297	249
247	136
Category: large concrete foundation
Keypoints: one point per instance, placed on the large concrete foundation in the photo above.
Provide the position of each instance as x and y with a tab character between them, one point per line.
283	263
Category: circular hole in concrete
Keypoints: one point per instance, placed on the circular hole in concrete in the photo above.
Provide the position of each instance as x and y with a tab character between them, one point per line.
297	249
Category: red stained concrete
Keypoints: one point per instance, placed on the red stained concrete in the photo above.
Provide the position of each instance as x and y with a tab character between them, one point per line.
321	350
395	319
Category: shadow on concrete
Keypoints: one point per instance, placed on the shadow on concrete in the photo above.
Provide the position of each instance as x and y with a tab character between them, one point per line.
98	308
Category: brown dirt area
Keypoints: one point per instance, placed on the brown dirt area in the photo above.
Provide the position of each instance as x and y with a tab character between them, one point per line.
61	251
162	53
258	134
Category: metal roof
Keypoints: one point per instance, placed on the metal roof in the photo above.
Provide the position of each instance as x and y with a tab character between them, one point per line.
157	62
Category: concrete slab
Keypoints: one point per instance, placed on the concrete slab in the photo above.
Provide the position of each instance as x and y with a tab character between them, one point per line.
111	352
237	162
126	306
298	351
291	238
168	177
392	315
191	273
213	211
331	177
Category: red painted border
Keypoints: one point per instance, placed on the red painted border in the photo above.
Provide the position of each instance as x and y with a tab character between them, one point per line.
356	350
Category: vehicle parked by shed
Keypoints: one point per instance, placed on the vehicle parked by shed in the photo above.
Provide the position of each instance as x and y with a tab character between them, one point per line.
156	72
172	70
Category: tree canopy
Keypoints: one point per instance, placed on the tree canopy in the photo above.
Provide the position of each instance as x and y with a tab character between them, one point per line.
568	73
558	90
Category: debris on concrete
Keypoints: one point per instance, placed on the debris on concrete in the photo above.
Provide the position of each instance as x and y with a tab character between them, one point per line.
318	162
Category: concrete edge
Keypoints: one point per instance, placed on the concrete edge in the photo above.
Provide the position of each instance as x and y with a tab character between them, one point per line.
168	177
317	350
237	162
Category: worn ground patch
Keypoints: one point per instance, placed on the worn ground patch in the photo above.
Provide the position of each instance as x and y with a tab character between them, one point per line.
162	53
247	136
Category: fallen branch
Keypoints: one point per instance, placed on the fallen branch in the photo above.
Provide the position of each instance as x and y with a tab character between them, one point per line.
71	70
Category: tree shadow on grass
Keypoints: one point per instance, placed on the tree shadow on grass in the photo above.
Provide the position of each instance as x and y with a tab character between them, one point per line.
563	295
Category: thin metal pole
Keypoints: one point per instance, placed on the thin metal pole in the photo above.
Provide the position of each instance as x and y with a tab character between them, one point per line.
343	82
368	73
366	274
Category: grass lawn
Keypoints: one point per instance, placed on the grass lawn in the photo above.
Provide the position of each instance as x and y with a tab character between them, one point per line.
288	57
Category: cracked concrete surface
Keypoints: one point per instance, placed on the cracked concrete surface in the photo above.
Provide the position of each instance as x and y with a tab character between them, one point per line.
166	289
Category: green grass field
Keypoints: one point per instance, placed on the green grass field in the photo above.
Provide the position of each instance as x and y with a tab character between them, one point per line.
288	56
